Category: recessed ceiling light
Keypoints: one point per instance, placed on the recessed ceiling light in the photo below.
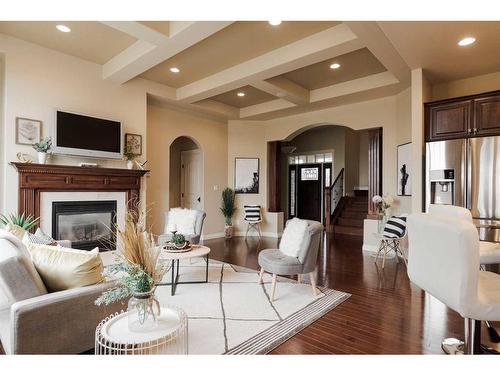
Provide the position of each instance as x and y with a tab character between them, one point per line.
335	66
275	23
63	28
241	94
466	41
175	70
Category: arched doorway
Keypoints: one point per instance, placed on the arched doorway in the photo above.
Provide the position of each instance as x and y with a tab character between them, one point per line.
186	174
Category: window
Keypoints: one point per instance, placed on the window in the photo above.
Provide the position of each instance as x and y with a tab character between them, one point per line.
292	193
327	177
309	174
328	157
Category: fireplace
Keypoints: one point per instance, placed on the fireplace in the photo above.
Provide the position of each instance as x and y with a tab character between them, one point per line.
87	224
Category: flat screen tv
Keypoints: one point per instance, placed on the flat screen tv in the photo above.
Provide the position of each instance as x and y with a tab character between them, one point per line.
82	135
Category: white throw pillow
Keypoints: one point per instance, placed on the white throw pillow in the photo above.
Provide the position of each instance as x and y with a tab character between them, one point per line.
292	238
182	220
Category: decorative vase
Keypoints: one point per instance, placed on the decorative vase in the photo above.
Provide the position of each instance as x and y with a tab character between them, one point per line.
42	157
381	220
144	310
130	164
228	230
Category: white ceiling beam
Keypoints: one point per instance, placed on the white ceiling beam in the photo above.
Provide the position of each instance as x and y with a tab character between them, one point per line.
284	89
270	106
381	47
155	47
323	45
356	85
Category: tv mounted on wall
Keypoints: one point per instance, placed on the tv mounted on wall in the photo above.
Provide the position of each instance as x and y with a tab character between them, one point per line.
81	135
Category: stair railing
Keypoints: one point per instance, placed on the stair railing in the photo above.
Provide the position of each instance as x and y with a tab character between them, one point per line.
333	196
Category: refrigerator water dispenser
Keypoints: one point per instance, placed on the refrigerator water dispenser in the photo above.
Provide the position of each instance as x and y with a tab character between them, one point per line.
442	187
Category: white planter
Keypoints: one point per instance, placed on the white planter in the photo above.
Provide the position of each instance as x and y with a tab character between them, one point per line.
42	157
228	231
130	164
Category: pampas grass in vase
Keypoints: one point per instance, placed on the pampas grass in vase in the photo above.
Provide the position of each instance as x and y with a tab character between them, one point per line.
138	269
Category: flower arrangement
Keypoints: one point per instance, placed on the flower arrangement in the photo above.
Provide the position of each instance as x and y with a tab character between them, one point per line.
45	145
382	203
137	265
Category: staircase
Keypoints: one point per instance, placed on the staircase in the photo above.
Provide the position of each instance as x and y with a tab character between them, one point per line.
350	219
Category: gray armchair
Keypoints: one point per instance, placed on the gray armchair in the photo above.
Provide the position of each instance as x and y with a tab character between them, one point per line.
33	321
193	238
275	262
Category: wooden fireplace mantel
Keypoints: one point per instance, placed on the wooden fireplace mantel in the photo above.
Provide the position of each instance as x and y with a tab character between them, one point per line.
37	178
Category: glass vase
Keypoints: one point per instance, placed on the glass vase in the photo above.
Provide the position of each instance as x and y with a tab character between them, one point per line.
381	220
144	310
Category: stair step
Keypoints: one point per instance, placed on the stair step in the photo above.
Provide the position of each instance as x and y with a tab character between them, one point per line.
353	214
352	231
356	209
358	223
361	193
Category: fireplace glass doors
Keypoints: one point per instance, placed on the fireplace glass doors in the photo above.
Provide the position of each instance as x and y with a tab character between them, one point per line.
87	224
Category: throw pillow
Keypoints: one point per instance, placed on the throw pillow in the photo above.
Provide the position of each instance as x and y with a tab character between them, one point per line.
395	227
39	238
62	268
182	220
293	235
16	230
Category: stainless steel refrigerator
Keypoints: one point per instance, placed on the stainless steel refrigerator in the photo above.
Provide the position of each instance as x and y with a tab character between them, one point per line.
466	172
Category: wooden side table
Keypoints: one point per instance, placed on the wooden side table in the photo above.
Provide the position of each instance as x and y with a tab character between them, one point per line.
112	336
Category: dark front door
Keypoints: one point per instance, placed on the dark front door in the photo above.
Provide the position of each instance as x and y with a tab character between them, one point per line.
309	183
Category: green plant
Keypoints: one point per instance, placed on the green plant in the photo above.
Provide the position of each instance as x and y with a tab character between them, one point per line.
178	239
127	152
44	145
22	220
228	207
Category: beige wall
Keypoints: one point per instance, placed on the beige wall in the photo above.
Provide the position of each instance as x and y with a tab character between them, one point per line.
351	161
39	80
467	86
2	134
248	138
404	135
164	125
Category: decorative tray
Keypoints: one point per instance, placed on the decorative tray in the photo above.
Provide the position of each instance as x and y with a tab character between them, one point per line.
171	248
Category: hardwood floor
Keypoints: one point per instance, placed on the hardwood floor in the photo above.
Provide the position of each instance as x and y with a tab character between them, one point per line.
385	315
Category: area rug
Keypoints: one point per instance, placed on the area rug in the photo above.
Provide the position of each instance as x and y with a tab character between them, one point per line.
233	314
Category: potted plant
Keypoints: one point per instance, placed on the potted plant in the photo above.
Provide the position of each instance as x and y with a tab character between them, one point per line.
21	220
43	147
129	156
137	269
228	210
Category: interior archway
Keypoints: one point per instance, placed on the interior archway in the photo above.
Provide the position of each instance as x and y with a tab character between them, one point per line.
185	173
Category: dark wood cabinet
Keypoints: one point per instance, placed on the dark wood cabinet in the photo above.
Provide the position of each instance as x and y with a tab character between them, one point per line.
472	116
487	116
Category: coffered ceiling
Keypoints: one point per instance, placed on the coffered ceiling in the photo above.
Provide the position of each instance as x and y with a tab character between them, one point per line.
281	70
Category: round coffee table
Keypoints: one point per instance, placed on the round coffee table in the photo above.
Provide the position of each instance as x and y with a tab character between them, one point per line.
112	335
174	258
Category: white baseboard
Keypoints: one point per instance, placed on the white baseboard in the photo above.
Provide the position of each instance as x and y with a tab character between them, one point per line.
212	236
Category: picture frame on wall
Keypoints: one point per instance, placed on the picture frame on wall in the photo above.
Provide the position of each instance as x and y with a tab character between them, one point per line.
134	141
28	131
404	171
246	175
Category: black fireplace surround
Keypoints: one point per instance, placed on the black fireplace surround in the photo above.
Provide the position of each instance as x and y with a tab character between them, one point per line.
87	224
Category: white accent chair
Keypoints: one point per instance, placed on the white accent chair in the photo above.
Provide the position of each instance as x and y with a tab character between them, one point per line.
194	238
443	260
253	218
489	252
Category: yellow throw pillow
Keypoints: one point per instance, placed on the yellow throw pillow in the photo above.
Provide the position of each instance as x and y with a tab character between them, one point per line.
16	230
62	268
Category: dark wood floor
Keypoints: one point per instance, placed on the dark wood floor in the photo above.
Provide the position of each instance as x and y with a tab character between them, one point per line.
386	313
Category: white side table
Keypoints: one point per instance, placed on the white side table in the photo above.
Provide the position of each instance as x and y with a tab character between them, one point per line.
112	335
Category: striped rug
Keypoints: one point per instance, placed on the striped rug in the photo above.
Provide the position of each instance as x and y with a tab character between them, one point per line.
233	313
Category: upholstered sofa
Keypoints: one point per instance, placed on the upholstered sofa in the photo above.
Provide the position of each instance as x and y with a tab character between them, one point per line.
191	237
33	321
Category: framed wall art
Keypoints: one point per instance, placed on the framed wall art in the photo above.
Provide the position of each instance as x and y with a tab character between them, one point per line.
28	131
246	176
134	142
404	169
